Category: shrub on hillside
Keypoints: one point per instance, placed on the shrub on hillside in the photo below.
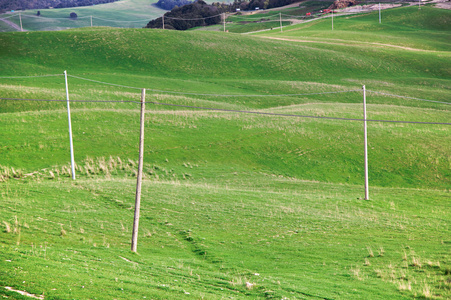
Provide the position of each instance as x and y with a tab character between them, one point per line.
170	4
188	16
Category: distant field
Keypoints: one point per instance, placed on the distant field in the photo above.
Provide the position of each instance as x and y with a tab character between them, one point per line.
234	205
125	13
122	14
425	29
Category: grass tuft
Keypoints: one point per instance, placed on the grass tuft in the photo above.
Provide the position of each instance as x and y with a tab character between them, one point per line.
7	227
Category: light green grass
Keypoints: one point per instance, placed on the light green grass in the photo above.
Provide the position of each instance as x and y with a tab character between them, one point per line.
125	13
425	29
201	239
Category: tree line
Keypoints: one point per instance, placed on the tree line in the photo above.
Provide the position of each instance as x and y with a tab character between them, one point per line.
170	4
188	16
200	13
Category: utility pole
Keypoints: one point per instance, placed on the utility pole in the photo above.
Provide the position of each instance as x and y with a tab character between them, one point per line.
20	20
379	13
280	18
163	21
72	163
224	19
365	137
91	21
332	19
140	171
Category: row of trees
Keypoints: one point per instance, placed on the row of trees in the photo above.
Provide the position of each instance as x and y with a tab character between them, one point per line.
8	5
188	16
253	4
200	13
170	4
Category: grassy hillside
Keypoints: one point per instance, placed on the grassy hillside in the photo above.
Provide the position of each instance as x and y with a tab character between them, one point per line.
425	29
234	205
280	239
125	13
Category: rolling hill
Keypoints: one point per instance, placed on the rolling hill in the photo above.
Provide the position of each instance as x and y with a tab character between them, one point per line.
235	204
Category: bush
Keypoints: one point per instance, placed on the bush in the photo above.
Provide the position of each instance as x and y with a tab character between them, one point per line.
73	15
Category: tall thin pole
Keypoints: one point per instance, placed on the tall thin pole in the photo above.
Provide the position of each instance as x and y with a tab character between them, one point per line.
140	171
280	18
379	13
223	18
163	21
365	136
72	163
20	19
91	21
332	19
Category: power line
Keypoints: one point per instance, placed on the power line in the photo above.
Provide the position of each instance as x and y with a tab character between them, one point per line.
407	97
244	95
228	95
260	95
233	110
297	116
106	83
146	20
214	95
85	101
16	77
194	19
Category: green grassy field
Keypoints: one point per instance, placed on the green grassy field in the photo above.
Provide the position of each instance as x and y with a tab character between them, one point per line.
234	205
125	13
268	19
425	29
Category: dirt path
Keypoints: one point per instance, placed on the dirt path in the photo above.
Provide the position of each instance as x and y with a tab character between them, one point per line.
11	24
346	43
444	5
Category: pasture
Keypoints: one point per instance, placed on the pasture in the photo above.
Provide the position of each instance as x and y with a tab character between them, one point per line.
234	205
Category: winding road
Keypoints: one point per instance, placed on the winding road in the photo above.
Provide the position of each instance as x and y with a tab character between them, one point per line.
12	24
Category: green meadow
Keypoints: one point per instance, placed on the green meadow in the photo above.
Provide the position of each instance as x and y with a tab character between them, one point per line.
235	205
124	13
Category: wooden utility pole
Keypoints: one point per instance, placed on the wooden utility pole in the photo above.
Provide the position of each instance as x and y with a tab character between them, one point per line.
140	172
280	19
365	136
332	19
379	13
163	21
71	143
20	19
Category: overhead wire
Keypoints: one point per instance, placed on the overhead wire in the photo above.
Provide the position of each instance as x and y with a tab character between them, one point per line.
193	19
226	95
297	116
406	97
233	110
85	101
213	95
31	76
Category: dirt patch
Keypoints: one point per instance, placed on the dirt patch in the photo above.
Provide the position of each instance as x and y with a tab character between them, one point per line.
345	43
11	24
370	7
444	5
342	4
24	293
